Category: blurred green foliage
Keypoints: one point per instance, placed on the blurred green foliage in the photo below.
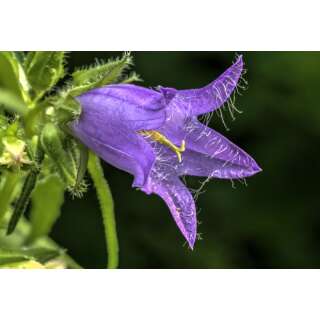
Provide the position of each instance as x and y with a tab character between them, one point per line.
274	221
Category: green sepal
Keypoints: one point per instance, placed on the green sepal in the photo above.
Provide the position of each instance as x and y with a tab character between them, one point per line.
66	109
44	69
102	73
83	163
79	155
53	143
131	77
42	220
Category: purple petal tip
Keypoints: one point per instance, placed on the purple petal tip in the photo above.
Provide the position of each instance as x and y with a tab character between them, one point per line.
191	239
256	168
191	244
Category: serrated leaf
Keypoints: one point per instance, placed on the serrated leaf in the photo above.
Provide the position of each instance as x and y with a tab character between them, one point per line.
45	213
99	75
44	69
13	77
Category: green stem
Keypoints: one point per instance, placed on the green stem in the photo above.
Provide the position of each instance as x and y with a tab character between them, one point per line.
9	183
106	205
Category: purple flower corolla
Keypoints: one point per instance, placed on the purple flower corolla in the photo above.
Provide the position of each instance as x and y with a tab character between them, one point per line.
155	136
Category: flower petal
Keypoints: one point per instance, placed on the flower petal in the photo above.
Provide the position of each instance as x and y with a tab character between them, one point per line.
209	98
208	153
130	93
178	199
110	119
125	150
134	107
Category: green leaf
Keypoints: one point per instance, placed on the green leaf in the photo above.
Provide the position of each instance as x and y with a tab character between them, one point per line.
44	69
42	254
99	75
20	56
27	258
24	197
23	201
28	264
13	77
11	102
28	58
10	256
44	213
9	184
19	239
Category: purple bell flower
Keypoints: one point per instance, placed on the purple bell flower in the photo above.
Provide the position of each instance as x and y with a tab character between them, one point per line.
156	137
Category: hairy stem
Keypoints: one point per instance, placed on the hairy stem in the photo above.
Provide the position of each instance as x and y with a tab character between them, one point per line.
106	205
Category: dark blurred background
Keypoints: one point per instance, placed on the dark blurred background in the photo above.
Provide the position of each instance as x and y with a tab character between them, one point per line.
274	221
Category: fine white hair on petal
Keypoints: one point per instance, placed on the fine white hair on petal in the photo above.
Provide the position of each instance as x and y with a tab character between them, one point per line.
229	104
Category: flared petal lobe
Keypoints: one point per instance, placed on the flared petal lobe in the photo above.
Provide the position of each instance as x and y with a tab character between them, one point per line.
207	154
179	200
210	154
195	102
110	119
